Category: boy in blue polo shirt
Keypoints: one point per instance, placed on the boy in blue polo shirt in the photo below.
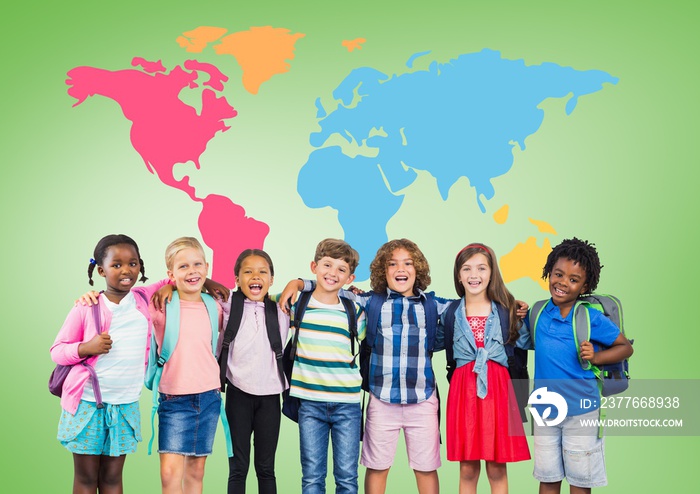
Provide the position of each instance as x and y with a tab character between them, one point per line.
572	269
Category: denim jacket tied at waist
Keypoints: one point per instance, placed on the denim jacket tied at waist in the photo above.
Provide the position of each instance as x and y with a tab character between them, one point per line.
465	349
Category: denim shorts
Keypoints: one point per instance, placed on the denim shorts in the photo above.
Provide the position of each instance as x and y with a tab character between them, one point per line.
570	451
187	423
111	431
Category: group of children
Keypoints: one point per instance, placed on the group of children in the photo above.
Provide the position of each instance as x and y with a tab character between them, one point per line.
397	326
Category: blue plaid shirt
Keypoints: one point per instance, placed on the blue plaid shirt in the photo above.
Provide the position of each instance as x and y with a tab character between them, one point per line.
400	367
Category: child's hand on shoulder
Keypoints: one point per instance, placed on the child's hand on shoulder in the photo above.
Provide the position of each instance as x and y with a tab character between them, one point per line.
587	351
163	296
216	290
522	309
289	295
88	298
355	290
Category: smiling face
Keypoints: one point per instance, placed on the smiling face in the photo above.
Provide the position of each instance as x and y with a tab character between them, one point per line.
475	275
400	272
189	270
120	268
566	282
331	275
254	277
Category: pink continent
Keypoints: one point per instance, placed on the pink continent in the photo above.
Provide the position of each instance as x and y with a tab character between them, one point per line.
165	131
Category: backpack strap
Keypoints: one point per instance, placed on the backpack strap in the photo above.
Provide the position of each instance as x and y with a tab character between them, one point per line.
350	311
517	364
172	331
170	337
431	322
300	308
213	312
291	348
504	318
581	323
374	311
535	312
448	318
232	326
272	325
431	318
97	318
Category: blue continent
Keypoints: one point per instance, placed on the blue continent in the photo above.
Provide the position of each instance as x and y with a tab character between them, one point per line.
456	119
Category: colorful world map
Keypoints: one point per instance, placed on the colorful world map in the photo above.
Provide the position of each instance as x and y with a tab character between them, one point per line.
458	119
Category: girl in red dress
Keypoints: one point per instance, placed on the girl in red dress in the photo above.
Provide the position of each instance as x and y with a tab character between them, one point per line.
483	420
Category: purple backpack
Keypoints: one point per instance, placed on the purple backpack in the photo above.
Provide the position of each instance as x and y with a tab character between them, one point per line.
59	374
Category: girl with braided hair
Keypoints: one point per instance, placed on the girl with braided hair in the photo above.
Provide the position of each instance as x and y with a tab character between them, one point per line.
101	426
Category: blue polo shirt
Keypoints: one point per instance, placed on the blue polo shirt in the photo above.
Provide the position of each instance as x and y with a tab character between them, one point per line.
556	357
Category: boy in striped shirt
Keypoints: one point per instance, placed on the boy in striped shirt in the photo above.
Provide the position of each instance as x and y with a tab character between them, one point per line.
326	376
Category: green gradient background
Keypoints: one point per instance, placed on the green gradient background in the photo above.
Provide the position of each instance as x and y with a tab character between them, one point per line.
621	171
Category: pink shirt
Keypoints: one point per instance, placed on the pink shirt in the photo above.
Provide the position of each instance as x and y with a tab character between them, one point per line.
192	367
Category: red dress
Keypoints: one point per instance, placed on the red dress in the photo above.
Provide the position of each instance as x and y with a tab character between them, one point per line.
487	429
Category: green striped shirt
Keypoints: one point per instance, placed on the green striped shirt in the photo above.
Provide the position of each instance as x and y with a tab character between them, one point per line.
325	368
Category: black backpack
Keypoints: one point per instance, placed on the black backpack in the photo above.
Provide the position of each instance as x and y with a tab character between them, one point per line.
291	404
517	357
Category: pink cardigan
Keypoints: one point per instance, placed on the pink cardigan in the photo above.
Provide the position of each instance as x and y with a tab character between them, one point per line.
79	327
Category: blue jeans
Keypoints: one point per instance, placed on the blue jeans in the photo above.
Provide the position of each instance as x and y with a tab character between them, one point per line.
316	420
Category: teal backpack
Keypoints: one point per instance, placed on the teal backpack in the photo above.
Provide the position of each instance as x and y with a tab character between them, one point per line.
612	378
156	359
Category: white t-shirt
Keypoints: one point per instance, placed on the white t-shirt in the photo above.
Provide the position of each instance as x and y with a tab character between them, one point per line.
120	372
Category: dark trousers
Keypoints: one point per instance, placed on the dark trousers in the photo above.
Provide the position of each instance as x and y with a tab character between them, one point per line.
259	416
